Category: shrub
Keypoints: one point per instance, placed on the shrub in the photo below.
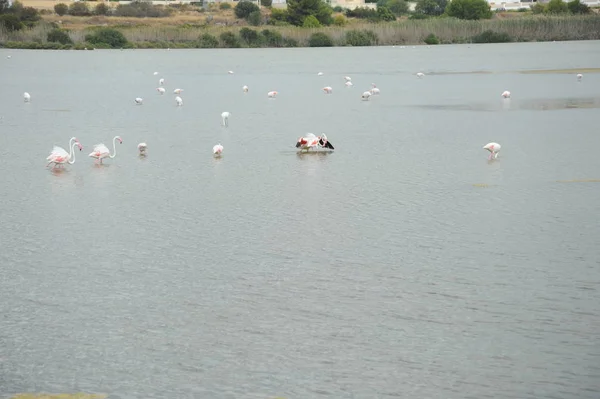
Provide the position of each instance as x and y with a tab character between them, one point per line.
101	9
311	22
250	36
79	9
266	3
431	7
537	8
225	6
361	38
397	7
278	16
556	7
208	41
338	9
340	20
11	22
244	8
577	7
230	40
320	39
290	42
384	14
491	37
432	39
272	38
59	36
142	9
255	18
469	9
298	10
61	9
110	37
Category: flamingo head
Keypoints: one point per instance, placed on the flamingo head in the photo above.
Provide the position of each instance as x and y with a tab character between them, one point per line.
301	141
324	137
79	145
374	85
120	140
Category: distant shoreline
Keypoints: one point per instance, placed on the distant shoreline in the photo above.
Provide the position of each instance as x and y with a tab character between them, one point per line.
530	28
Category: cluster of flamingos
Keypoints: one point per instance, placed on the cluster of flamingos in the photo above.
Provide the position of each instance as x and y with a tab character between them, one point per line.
307	143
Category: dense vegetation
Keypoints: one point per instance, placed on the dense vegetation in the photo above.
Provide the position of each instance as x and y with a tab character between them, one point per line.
304	23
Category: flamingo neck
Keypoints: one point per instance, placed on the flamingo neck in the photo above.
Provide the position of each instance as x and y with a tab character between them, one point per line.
72	154
114	148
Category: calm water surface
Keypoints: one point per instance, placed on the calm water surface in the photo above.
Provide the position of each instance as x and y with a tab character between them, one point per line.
402	265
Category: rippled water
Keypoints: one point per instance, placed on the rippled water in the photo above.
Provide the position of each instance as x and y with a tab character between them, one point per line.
404	264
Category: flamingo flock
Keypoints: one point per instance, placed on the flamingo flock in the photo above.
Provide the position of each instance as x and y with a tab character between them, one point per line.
59	157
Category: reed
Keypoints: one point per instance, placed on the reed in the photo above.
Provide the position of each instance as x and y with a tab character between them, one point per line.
406	32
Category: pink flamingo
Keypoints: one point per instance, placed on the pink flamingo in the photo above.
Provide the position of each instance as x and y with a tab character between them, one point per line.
217	150
328	90
311	141
101	151
493	148
58	155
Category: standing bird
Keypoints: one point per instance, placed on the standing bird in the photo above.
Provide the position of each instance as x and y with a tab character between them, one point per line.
60	156
217	150
347	78
178	101
320	74
225	118
366	95
177	91
101	151
493	148
160	90
139	101
272	94
26	97
579	77
328	90
420	75
348	84
161	82
245	89
506	94
142	148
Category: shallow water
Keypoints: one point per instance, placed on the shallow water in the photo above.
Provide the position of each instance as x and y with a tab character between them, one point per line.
404	264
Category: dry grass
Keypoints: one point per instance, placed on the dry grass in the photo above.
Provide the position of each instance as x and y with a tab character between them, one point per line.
58	396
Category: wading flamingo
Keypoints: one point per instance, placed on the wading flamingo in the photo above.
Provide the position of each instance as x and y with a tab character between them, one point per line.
161	82
58	155
272	94
245	89
101	151
506	94
230	72
374	90
139	101
579	77
177	91
311	141
218	150
161	90
155	73
493	148
348	84
327	90
347	78
142	148
366	95
26	97
320	74
178	101
225	118
420	75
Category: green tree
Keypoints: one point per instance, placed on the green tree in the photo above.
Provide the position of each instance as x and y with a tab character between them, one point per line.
311	22
61	9
59	36
397	7
431	7
208	41
255	18
298	10
79	9
556	7
10	22
320	39
245	8
3	6
266	3
469	9
577	7
101	9
111	37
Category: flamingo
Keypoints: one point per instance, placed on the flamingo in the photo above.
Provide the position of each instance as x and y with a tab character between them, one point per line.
311	141
366	95
320	74
327	90
420	75
139	101
161	82
348	78
155	73
506	94
230	72
579	77
161	90
177	91
178	101
245	89
374	90
142	148
493	148
225	118
58	155
272	94
348	84
101	151
26	97
217	150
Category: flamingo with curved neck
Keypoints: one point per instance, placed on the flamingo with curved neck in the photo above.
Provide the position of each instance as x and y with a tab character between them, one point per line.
59	156
101	151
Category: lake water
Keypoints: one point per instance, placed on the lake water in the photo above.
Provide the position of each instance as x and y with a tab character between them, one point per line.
404	264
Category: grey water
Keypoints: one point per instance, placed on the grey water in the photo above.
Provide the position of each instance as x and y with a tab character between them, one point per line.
404	264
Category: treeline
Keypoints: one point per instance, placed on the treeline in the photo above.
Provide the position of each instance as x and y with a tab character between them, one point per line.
137	9
17	17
